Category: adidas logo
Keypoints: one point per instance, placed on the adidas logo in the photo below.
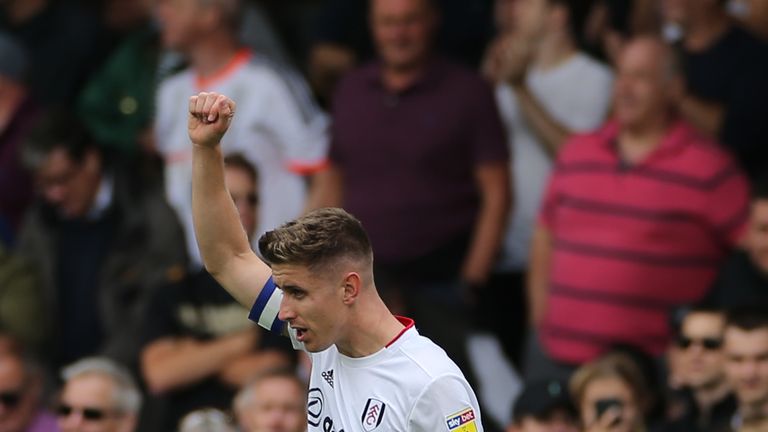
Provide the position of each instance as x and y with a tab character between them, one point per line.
328	376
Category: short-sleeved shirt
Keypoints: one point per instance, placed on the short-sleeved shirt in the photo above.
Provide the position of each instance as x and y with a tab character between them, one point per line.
577	93
408	159
199	308
631	242
410	385
277	128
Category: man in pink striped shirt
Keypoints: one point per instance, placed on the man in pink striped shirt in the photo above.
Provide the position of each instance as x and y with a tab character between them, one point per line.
636	220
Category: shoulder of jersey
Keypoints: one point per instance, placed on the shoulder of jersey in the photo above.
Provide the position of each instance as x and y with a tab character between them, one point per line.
428	356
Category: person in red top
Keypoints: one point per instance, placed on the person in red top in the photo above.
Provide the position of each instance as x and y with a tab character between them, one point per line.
636	220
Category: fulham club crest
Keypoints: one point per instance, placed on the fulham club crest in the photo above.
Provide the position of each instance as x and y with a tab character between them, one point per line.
373	414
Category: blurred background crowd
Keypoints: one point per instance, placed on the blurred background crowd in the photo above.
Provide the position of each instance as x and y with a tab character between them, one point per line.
569	196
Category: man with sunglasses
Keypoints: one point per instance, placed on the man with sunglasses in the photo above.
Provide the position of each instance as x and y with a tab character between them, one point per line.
746	367
98	396
20	393
705	394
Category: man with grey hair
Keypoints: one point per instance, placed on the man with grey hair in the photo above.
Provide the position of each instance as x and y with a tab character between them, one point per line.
273	402
99	395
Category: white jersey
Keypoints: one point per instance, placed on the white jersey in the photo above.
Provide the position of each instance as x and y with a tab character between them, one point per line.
409	386
277	128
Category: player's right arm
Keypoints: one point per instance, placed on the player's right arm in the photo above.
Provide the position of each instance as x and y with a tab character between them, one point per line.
223	244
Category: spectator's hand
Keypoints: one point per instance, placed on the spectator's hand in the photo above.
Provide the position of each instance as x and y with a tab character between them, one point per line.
610	421
491	67
515	57
209	117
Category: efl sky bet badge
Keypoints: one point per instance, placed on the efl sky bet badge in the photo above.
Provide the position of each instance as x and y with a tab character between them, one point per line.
462	421
373	414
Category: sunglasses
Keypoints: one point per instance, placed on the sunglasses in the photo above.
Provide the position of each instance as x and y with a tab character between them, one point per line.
91	414
709	344
10	399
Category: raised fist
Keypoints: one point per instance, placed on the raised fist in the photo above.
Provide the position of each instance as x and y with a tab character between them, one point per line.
209	117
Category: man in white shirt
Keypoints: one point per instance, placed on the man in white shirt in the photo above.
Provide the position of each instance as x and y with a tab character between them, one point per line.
279	129
546	90
371	370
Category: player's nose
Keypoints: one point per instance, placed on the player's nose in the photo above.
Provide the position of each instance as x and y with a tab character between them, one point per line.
286	313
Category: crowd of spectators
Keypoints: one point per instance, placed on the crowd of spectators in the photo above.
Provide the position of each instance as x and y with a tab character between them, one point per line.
585	180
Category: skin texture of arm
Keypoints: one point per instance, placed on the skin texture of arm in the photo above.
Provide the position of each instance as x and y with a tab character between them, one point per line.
493	183
223	244
538	274
171	363
550	132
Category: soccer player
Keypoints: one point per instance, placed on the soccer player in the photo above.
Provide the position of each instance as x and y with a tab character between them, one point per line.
371	370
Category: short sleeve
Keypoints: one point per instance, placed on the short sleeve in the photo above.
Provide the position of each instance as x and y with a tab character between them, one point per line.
447	404
593	99
299	126
488	137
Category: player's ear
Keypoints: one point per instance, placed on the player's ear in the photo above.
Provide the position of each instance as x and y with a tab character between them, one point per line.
352	284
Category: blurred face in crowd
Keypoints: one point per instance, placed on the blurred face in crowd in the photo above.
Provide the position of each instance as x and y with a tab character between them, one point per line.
402	31
242	188
278	406
700	345
184	22
645	84
87	405
530	18
746	364
18	396
610	388
70	185
757	240
558	420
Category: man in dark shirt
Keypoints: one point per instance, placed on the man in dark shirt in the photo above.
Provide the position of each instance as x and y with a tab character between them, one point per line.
100	241
419	155
725	69
705	395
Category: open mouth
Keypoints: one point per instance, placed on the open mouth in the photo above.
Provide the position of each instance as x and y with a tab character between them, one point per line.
300	333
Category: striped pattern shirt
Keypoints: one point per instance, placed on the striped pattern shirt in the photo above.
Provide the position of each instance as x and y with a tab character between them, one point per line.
632	242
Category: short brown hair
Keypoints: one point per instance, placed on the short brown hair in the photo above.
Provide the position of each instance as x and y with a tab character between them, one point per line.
613	365
317	239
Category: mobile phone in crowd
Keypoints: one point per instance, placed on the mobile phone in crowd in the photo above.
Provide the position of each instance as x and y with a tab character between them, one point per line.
603	405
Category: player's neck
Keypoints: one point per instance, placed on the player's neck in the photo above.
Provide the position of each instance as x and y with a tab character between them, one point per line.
372	327
212	55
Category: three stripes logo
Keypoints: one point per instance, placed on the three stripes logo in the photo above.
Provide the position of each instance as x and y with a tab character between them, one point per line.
328	377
